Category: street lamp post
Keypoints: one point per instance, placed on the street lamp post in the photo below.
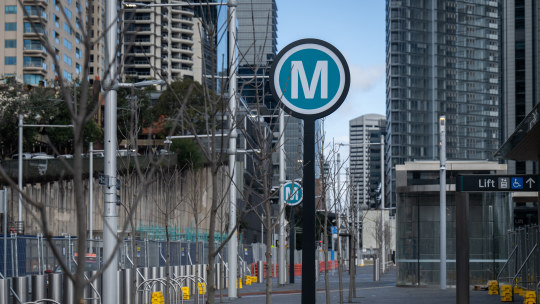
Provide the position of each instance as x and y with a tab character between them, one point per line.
232	248
20	177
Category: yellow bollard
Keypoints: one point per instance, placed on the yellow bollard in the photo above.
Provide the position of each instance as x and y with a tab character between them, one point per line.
239	284
506	293
185	293
530	297
157	298
202	288
493	287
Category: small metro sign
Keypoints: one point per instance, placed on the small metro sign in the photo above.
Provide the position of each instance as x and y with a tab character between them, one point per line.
497	183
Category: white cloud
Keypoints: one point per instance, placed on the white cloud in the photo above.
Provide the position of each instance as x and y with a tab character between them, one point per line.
365	78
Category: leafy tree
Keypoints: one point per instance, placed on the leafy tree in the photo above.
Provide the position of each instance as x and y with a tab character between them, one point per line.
188	153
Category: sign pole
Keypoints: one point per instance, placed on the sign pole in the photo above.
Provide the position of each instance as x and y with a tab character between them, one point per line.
308	236
462	248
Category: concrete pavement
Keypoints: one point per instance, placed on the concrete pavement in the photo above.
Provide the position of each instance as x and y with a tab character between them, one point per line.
367	291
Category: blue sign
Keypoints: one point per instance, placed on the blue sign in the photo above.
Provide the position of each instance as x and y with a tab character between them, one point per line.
333	229
310	78
292	193
517	183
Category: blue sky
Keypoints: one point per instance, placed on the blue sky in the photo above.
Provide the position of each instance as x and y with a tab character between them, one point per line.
357	29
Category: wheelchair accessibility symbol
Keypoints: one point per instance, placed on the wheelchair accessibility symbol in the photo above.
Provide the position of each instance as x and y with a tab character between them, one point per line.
517	183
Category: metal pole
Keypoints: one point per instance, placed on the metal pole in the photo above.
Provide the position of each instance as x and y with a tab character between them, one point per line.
110	214
383	245
308	244
281	252
91	195
232	248
5	232
20	167
462	248
442	130
292	246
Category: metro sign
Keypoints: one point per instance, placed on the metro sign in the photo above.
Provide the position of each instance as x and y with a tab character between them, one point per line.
292	193
497	183
310	77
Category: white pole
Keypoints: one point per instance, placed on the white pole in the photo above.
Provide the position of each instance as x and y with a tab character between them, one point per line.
232	248
383	245
442	125
281	252
91	193
110	214
20	168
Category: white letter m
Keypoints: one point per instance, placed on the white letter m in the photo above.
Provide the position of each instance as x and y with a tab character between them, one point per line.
321	70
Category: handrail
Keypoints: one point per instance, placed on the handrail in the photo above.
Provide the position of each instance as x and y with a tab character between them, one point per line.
506	263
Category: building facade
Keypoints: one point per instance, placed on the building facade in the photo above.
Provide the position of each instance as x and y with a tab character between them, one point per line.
442	59
365	158
25	56
418	223
161	41
520	69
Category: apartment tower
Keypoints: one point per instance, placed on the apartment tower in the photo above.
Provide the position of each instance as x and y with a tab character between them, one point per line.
442	59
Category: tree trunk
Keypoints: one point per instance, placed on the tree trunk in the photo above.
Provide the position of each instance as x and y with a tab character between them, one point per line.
268	254
211	242
325	244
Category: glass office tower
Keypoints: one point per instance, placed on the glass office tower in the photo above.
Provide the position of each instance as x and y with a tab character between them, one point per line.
442	59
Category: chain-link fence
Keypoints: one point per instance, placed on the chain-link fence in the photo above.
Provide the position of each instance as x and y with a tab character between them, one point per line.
523	265
29	255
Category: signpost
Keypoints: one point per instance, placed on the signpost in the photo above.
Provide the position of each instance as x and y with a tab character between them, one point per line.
498	183
310	79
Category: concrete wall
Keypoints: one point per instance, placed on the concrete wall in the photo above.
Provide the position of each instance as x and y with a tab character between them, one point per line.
166	196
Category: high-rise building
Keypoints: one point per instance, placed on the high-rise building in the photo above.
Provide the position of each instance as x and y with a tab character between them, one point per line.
59	21
257	48
365	158
520	71
161	41
442	59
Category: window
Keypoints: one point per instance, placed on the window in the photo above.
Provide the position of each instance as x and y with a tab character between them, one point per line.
11	26
11	9
32	79
10	43
8	60
67	75
68	44
77	68
67	60
68	13
78	53
67	29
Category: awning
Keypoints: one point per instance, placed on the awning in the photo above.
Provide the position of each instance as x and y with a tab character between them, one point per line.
524	143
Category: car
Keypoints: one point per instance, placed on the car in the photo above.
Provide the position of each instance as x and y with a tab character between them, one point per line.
41	155
24	156
65	156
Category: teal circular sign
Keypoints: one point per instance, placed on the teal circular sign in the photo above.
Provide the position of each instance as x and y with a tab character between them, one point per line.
310	78
292	193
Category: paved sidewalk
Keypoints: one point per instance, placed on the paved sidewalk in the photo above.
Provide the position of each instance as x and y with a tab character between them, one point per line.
367	291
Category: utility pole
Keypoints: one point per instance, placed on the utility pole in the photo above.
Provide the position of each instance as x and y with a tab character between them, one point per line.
232	248
281	252
383	245
442	133
110	213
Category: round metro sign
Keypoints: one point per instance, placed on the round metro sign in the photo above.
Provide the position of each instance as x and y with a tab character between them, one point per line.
310	77
292	193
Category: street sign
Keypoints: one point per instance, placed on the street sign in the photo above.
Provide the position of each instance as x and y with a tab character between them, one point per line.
310	77
497	183
292	194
